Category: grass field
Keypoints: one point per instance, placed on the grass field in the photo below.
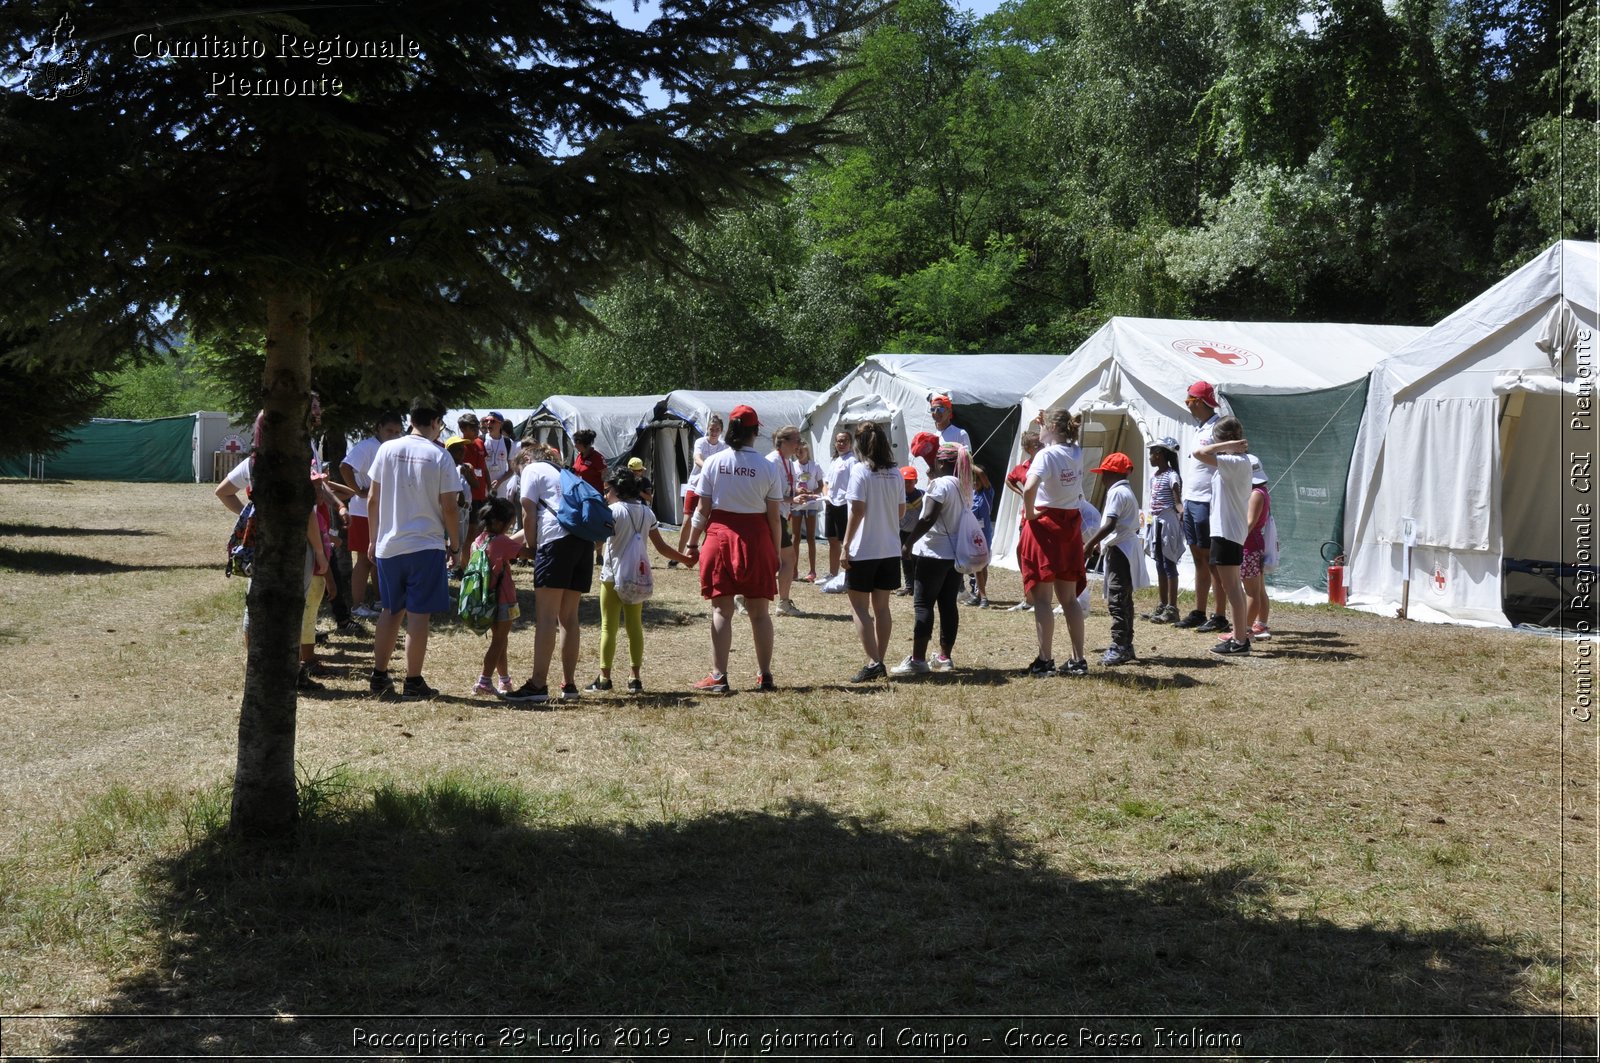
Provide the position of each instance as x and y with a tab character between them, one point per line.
1369	838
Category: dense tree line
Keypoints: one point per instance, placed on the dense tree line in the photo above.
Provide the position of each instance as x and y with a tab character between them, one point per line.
1012	181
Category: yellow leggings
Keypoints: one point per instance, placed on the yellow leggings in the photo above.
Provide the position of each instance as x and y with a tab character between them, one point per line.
308	615
613	608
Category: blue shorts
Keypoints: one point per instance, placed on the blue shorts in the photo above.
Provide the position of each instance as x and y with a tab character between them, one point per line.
417	583
1197	524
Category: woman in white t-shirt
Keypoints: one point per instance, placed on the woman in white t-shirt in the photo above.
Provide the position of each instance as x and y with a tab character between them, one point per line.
1050	548
705	447
1230	523
932	541
807	504
871	556
836	514
737	517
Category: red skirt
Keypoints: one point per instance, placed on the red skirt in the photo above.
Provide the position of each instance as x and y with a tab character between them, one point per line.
738	557
1051	549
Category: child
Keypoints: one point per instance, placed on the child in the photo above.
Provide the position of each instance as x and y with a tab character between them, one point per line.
456	445
502	546
1166	526
1124	564
1252	571
983	509
908	561
630	516
1230	524
807	504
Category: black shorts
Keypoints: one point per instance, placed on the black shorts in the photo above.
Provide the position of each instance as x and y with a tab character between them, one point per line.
877	574
835	519
564	564
1226	551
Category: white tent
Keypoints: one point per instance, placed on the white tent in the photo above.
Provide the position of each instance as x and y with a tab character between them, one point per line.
1480	432
893	390
1129	381
614	419
514	416
681	418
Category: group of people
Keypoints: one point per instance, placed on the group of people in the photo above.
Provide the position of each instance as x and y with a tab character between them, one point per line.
417	507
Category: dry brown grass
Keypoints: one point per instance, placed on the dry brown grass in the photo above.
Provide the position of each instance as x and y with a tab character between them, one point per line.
1360	786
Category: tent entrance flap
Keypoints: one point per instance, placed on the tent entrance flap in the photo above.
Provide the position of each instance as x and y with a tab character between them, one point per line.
1547	548
1110	432
1304	442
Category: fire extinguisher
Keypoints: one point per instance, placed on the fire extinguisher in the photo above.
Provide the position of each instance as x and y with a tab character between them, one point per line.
1337	591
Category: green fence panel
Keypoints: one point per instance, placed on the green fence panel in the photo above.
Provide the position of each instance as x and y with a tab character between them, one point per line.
159	451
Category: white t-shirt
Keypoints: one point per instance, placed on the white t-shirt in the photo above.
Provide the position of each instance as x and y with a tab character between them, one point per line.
839	478
627	518
809	475
939	540
1196	473
788	479
704	450
1122	508
497	455
541	485
359	458
239	476
411	473
952	434
1230	498
1060	469
884	492
740	481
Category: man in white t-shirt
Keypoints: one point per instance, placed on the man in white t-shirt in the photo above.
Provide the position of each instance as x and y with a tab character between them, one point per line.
499	450
1201	401
411	506
353	471
943	411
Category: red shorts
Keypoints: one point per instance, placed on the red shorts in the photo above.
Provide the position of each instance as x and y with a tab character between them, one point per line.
738	557
1051	549
358	534
690	501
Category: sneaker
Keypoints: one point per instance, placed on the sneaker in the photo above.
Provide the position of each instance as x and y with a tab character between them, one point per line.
1218	622
1193	618
1260	631
672	564
635	686
303	682
1021	607
1074	668
911	666
1155	616
600	686
738	605
1041	667
380	685
569	691
352	627
1232	648
811	577
416	688
869	672
970	599
504	685
941	663
983	603
1117	655
1170	612
483	686
788	608
713	684
365	612
529	692
901	592
764	683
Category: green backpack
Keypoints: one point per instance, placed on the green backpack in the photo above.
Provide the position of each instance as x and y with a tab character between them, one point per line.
480	594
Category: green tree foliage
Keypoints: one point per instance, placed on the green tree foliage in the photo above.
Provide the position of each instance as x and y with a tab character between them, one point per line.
1559	158
453	197
42	404
171	384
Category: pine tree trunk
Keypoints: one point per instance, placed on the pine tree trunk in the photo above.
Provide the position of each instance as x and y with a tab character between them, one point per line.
264	802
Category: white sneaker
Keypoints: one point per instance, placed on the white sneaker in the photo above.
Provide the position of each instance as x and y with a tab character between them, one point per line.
1021	607
365	612
911	666
738	605
941	663
788	608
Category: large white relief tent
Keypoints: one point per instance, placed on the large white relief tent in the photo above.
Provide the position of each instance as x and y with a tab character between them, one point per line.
1303	385
1469	433
893	390
616	421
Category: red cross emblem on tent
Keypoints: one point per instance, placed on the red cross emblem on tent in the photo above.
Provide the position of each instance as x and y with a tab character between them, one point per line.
1438	580
233	445
1224	354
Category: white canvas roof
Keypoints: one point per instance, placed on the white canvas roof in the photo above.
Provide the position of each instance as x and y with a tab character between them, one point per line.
775	408
1142	367
514	416
614	419
894	389
1468	432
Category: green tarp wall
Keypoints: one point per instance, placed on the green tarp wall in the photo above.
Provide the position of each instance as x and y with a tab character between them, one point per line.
160	451
1304	442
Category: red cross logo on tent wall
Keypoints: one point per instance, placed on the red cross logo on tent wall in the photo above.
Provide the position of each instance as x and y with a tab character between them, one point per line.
233	445
1438	580
1219	354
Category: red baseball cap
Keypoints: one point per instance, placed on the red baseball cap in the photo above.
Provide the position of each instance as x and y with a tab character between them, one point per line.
941	400
746	416
908	473
1204	392
1115	462
924	445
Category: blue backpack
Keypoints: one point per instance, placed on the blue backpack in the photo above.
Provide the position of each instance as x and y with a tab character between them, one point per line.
583	512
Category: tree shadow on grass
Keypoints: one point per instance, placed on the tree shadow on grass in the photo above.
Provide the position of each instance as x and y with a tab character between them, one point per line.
456	900
61	531
57	563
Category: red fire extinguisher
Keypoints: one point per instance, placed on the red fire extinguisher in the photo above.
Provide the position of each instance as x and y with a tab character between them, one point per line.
1337	591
